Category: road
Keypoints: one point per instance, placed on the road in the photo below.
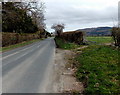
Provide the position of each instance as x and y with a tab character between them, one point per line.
28	69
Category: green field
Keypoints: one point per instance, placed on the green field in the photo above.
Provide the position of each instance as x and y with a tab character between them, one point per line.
102	39
98	69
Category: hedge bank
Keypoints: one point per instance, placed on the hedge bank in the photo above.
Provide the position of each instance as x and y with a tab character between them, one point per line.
14	38
73	37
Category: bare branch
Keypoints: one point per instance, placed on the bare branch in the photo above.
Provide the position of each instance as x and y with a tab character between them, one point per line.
58	28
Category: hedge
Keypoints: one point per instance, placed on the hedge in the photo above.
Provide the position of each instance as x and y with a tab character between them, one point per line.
14	38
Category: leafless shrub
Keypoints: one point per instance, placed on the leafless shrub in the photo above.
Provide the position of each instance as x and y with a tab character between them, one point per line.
116	35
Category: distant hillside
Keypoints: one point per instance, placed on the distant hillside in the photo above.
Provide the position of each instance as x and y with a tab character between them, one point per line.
99	31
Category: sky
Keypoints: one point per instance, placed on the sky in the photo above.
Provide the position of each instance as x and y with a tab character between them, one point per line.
79	14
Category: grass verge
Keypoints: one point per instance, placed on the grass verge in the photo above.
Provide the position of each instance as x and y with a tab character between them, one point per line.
98	70
65	45
3	49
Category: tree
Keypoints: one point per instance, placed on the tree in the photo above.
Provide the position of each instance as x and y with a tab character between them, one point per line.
23	17
16	20
116	35
36	11
58	29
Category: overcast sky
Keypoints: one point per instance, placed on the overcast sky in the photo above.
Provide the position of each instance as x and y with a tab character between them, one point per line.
78	14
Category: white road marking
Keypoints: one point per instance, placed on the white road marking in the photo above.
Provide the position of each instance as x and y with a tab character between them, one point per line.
9	55
16	59
16	52
20	56
26	48
38	46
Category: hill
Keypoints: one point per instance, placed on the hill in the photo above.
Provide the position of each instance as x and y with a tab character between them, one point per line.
99	31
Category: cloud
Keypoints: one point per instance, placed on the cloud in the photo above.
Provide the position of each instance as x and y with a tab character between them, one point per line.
81	13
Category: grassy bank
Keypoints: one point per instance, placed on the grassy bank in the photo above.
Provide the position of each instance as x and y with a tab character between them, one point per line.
65	45
3	49
98	70
97	66
101	39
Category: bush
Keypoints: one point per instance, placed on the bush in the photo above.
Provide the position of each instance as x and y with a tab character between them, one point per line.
116	35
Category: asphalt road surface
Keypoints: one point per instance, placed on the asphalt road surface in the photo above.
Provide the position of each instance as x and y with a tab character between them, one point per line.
28	69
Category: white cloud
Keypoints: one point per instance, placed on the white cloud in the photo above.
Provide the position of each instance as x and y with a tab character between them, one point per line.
81	13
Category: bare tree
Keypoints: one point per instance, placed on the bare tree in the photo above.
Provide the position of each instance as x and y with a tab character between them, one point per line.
58	28
116	35
35	10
